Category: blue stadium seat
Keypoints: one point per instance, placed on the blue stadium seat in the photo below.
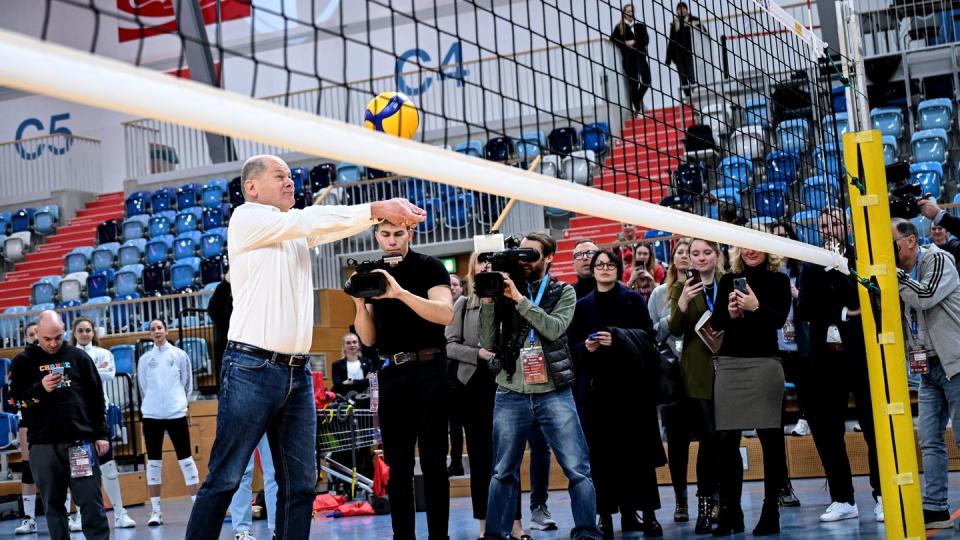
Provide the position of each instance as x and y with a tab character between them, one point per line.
929	175
212	270
100	282
349	173
689	181
727	195
184	273
839	95
161	223
770	200
235	192
22	220
563	140
807	225
154	279
215	193
935	114
97	314
889	120
470	148
735	172
213	243
73	286
46	219
135	227
109	231
123	358
891	149
322	176
755	113
923	228
127	279
5	219
67	314
188	196
163	199
820	192
213	217
782	166
300	178
45	289
77	260
196	349
661	248
131	252
794	135
137	203
457	210
828	159
498	149
529	144
189	219
158	249
596	137
929	145
186	245
834	126
104	256
10	326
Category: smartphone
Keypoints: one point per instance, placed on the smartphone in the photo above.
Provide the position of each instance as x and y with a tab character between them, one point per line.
593	336
740	284
694	275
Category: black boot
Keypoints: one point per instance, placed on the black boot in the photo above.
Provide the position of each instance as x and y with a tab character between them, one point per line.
606	525
730	520
651	527
769	519
629	521
681	514
704	519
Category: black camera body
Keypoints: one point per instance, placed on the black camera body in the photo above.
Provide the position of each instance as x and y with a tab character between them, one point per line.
902	192
366	283
490	284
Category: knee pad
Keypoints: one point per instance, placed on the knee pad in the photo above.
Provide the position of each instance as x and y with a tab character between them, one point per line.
26	477
188	467
154	472
109	470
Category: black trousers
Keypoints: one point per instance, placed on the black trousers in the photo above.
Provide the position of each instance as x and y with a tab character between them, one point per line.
684	64
637	70
683	419
796	369
731	466
50	464
840	374
413	416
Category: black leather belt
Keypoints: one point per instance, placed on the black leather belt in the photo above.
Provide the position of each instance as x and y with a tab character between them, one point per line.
292	360
423	355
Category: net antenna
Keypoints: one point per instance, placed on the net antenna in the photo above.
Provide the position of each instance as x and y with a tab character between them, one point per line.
282	124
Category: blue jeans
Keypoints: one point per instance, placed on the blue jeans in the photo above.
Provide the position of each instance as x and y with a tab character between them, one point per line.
241	510
258	397
539	469
515	416
938	401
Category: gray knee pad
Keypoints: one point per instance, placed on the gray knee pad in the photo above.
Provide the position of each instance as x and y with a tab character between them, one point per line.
109	470
188	467
154	472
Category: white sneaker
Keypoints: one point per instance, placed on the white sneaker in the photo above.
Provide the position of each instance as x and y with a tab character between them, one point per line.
802	429
27	526
838	511
76	525
244	535
156	518
857	428
878	510
123	521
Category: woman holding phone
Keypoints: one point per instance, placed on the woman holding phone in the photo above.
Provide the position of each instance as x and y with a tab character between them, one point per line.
603	322
691	299
752	306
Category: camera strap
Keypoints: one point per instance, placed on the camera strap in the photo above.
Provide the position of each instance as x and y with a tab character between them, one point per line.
536	301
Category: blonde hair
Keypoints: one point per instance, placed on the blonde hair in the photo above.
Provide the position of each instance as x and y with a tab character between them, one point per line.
736	261
471	275
672	270
721	260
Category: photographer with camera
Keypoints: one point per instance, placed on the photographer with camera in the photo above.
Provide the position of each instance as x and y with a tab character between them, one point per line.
404	315
527	331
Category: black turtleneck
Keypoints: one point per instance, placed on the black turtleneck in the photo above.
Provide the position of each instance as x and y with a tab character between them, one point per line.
754	334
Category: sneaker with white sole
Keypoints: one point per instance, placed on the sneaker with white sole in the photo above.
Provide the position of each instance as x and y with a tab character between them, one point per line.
540	519
156	518
840	510
243	535
937	519
123	521
27	526
75	523
878	510
802	429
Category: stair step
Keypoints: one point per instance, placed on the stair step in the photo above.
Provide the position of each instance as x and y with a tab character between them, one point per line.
104	213
54	265
66	244
73	233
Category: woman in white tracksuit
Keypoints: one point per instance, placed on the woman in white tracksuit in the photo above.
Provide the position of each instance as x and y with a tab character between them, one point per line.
166	381
84	336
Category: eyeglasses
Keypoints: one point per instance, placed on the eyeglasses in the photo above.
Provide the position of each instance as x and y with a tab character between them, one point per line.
605	266
580	255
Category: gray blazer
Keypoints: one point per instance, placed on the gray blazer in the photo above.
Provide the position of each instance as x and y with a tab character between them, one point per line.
463	337
660	308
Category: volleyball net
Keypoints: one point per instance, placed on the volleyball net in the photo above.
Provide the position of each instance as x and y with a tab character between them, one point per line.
714	121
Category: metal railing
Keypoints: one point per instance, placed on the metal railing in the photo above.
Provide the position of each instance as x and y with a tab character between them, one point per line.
50	163
195	337
114	317
123	421
908	26
533	88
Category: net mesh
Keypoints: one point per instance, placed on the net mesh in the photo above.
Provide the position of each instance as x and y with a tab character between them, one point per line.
716	108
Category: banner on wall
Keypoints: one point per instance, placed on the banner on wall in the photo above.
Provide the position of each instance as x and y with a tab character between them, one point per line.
158	16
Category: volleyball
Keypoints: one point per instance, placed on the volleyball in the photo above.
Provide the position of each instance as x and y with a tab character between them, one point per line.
393	113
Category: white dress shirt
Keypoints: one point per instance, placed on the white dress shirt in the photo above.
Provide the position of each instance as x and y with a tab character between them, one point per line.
103	359
270	270
166	380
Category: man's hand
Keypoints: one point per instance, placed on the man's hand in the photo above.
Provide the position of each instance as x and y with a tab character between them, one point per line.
348	382
394	290
102	447
929	208
397	211
51	381
485	354
510	289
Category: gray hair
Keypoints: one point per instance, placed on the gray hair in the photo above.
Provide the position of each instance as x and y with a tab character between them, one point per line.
253	167
904	227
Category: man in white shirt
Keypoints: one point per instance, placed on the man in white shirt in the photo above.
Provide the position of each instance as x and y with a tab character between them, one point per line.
265	384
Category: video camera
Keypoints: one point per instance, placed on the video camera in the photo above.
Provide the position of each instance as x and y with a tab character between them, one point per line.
366	283
490	284
903	193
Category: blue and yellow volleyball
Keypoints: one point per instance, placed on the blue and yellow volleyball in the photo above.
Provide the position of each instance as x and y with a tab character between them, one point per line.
393	113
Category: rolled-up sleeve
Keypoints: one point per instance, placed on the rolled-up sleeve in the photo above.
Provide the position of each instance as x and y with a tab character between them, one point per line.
263	225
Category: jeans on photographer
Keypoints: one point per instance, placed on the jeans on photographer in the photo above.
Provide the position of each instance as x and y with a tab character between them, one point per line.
938	402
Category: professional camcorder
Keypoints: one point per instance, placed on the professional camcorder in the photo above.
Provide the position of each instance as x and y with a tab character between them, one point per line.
490	284
903	191
366	283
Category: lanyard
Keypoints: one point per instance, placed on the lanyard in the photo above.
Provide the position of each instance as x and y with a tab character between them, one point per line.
916	266
710	301
914	325
536	301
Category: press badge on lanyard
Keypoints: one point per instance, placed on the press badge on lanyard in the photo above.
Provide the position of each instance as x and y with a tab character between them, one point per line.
81	460
531	358
917	356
